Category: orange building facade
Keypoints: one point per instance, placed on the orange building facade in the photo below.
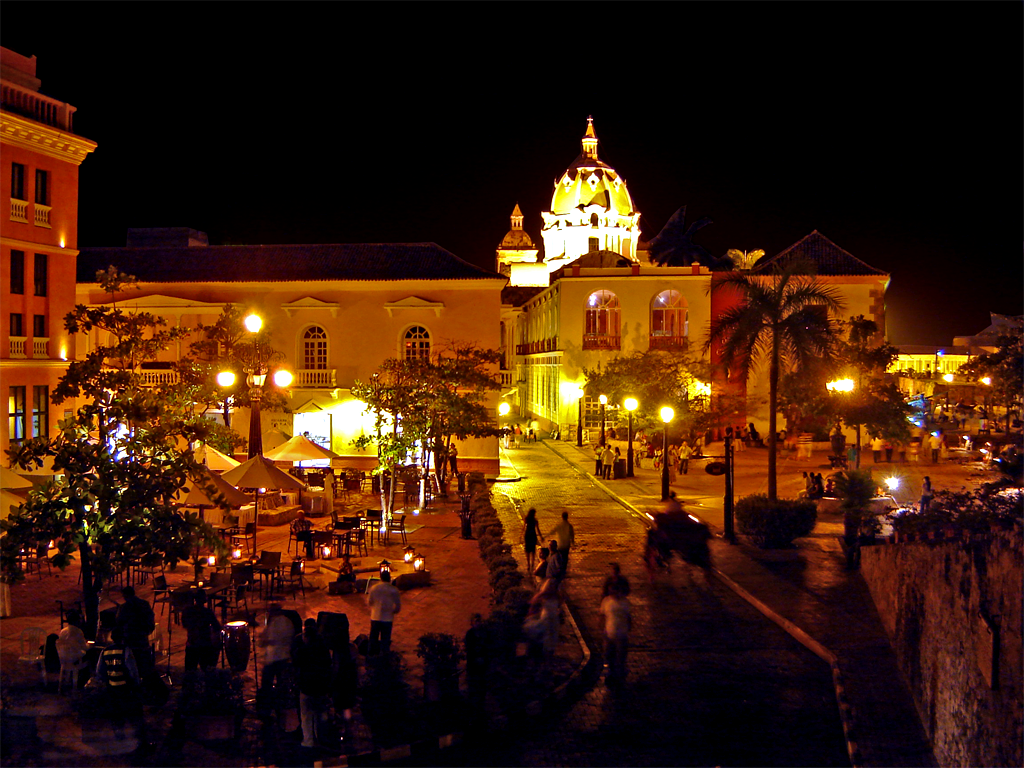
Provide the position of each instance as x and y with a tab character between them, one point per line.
40	157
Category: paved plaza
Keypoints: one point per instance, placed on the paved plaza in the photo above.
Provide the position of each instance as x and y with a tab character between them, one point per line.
725	667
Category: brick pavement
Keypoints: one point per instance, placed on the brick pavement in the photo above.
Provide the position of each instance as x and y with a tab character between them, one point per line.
711	682
808	591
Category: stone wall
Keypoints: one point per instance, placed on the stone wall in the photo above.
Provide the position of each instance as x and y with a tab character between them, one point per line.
938	601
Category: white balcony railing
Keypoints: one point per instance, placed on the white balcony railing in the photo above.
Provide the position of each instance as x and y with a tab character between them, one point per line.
506	377
40	348
18	346
42	214
19	210
322	378
151	378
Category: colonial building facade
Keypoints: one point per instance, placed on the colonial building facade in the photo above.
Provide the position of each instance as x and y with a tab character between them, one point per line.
38	237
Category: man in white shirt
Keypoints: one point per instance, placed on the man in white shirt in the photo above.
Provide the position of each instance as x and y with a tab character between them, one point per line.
617	623
384	601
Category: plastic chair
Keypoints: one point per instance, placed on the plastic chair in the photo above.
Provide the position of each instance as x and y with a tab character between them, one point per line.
70	666
33	641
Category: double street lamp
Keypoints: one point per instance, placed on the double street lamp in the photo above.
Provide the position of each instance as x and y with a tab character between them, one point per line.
667	414
846	386
257	369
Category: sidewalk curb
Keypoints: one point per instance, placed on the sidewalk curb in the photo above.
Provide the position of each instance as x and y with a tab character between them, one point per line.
845	710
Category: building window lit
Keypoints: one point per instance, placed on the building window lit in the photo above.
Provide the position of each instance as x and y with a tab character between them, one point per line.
16	414
601	326
17	271
670	325
40	411
417	343
314	349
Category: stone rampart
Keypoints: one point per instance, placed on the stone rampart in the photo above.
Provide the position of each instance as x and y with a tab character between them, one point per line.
952	610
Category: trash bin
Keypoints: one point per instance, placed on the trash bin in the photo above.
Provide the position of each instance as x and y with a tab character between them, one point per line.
619	471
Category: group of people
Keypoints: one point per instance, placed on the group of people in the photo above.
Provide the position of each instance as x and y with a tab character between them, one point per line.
816	487
549	569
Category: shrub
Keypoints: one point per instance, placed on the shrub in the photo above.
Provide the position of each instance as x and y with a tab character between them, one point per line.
496	550
485	540
500	562
517	600
774	524
504	581
497	573
439	651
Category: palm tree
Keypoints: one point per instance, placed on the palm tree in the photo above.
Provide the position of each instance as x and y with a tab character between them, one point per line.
780	321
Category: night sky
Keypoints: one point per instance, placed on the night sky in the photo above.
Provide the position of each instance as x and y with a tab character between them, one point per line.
893	129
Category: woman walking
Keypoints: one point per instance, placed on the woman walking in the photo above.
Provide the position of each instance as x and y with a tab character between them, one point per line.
531	534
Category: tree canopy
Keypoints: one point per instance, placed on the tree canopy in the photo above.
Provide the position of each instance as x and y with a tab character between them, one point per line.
1005	369
784	321
120	457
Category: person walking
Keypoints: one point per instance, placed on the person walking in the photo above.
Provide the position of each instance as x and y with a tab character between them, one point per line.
277	639
202	645
615	580
545	611
935	443
888	446
384	602
876	448
607	462
565	535
312	661
540	572
554	569
926	494
531	535
617	623
136	620
685	451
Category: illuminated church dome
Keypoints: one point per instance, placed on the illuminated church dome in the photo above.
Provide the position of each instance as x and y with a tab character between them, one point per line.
591	210
516	247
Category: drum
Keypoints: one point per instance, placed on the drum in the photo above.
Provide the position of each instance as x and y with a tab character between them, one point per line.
236	645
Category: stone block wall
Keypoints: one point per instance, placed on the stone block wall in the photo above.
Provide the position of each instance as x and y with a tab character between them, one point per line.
937	602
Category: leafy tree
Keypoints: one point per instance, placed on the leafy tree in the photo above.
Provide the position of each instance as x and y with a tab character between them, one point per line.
1005	368
122	455
421	405
875	404
656	378
780	323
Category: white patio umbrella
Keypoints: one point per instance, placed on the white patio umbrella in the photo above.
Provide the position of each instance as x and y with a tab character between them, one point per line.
218	461
193	495
300	448
273	438
259	472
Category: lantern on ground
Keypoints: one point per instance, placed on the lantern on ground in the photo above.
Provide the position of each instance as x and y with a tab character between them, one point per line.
409	553
419	563
385	567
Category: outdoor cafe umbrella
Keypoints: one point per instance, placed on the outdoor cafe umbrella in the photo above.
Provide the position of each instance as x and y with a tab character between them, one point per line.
196	496
300	448
219	461
259	472
12	487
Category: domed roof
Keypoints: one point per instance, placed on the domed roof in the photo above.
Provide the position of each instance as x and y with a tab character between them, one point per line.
589	181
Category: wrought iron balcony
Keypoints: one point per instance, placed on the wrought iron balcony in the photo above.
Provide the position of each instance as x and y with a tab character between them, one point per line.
600	341
668	342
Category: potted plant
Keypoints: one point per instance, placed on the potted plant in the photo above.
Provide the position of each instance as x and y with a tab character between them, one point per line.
441	654
211	704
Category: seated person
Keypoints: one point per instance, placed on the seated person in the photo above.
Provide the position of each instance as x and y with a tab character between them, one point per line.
71	642
303	530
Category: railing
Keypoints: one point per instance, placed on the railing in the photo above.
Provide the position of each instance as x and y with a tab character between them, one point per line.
40	348
42	214
19	210
535	347
668	342
154	377
506	378
34	105
321	378
17	346
600	341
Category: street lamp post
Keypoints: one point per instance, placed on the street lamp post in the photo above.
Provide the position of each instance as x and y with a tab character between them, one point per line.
256	378
604	401
579	421
846	385
730	534
503	409
666	416
631	405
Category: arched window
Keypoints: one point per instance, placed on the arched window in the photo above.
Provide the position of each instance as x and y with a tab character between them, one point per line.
417	343
601	322
314	349
670	323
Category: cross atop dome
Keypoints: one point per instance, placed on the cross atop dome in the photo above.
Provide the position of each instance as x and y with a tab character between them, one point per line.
590	140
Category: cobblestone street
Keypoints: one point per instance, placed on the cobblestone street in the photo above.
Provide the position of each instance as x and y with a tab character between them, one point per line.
711	681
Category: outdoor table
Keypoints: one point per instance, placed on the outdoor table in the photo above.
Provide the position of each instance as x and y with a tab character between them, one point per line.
370	522
343	541
272	574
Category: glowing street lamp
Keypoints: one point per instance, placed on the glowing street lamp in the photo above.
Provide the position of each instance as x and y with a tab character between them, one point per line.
256	370
667	414
845	386
604	401
631	405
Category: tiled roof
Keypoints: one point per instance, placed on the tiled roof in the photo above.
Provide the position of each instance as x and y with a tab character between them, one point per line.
276	263
827	257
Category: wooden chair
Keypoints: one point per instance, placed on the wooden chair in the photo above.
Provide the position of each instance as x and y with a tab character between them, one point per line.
75	606
401	527
35	561
180	599
249	537
357	537
295	577
322	539
161	593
